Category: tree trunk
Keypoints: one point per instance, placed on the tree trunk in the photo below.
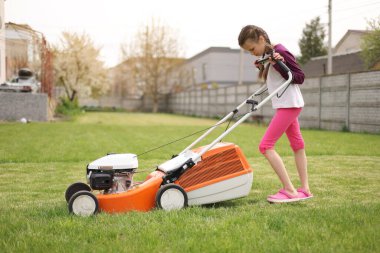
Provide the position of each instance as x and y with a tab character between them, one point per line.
155	102
72	97
155	105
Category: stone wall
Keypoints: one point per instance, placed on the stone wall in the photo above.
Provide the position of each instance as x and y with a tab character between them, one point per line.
14	106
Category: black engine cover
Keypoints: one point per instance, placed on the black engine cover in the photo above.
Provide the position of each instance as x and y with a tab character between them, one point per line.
101	181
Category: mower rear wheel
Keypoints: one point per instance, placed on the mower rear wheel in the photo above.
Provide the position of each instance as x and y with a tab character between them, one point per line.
83	203
171	197
74	188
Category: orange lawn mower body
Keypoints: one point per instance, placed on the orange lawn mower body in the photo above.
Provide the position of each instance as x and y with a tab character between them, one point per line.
223	166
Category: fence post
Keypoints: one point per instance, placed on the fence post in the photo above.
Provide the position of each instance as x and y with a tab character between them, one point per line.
247	91
188	102
192	109
201	103
196	112
236	96
180	101
208	103
184	102
348	101
225	101
320	104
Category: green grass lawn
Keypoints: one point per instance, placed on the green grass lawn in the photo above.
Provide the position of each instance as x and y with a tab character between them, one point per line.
39	160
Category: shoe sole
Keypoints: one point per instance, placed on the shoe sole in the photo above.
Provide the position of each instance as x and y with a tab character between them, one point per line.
283	200
306	198
288	200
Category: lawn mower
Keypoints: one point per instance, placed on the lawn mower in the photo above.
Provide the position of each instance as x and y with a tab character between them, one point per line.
196	176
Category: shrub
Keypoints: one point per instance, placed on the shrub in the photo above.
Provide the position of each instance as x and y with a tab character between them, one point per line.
68	108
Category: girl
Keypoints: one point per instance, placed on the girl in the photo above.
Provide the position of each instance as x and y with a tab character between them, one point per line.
288	107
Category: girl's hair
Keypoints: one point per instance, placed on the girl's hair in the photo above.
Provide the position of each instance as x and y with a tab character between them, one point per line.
254	32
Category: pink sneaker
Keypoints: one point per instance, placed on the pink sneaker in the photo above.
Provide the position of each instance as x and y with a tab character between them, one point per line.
303	194
282	197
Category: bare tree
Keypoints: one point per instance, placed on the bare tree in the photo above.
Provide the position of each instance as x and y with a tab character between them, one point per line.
181	77
151	56
77	67
123	81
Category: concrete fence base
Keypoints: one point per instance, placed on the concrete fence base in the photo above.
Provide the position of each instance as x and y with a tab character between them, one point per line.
14	106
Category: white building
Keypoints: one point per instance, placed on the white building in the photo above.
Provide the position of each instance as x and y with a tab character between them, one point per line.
23	48
350	42
215	67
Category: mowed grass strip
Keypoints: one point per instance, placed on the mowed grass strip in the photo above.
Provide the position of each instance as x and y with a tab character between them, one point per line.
36	169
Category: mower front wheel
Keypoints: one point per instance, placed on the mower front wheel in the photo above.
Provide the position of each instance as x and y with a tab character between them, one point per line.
74	188
83	203
171	197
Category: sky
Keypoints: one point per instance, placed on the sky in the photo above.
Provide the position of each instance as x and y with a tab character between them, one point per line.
199	24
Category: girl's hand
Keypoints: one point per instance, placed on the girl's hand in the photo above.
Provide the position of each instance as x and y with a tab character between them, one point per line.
278	57
258	65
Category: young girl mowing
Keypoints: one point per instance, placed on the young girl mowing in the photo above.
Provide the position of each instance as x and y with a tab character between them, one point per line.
288	106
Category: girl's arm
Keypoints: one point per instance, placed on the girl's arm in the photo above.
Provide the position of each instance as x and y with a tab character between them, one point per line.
290	61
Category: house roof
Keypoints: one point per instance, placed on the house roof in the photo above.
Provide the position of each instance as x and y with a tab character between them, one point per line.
136	59
348	33
214	50
344	63
19	26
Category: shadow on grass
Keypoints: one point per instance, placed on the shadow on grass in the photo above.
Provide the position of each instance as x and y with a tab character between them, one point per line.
233	203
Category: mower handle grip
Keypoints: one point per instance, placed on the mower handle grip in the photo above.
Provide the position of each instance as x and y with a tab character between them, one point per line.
279	62
282	65
262	60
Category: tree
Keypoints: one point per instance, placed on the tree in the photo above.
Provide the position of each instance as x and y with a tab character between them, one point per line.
77	67
152	55
311	44
181	77
371	45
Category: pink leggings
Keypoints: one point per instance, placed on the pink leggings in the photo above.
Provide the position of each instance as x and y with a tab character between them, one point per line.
284	120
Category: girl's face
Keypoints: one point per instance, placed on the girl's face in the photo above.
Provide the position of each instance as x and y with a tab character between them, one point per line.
255	48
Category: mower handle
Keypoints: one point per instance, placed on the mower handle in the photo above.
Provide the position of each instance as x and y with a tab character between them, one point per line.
246	116
279	62
282	66
258	92
254	108
262	60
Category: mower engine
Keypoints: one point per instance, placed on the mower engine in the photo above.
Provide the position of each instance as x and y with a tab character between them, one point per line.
112	173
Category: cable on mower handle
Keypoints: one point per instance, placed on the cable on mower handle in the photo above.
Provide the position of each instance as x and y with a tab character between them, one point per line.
287	70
